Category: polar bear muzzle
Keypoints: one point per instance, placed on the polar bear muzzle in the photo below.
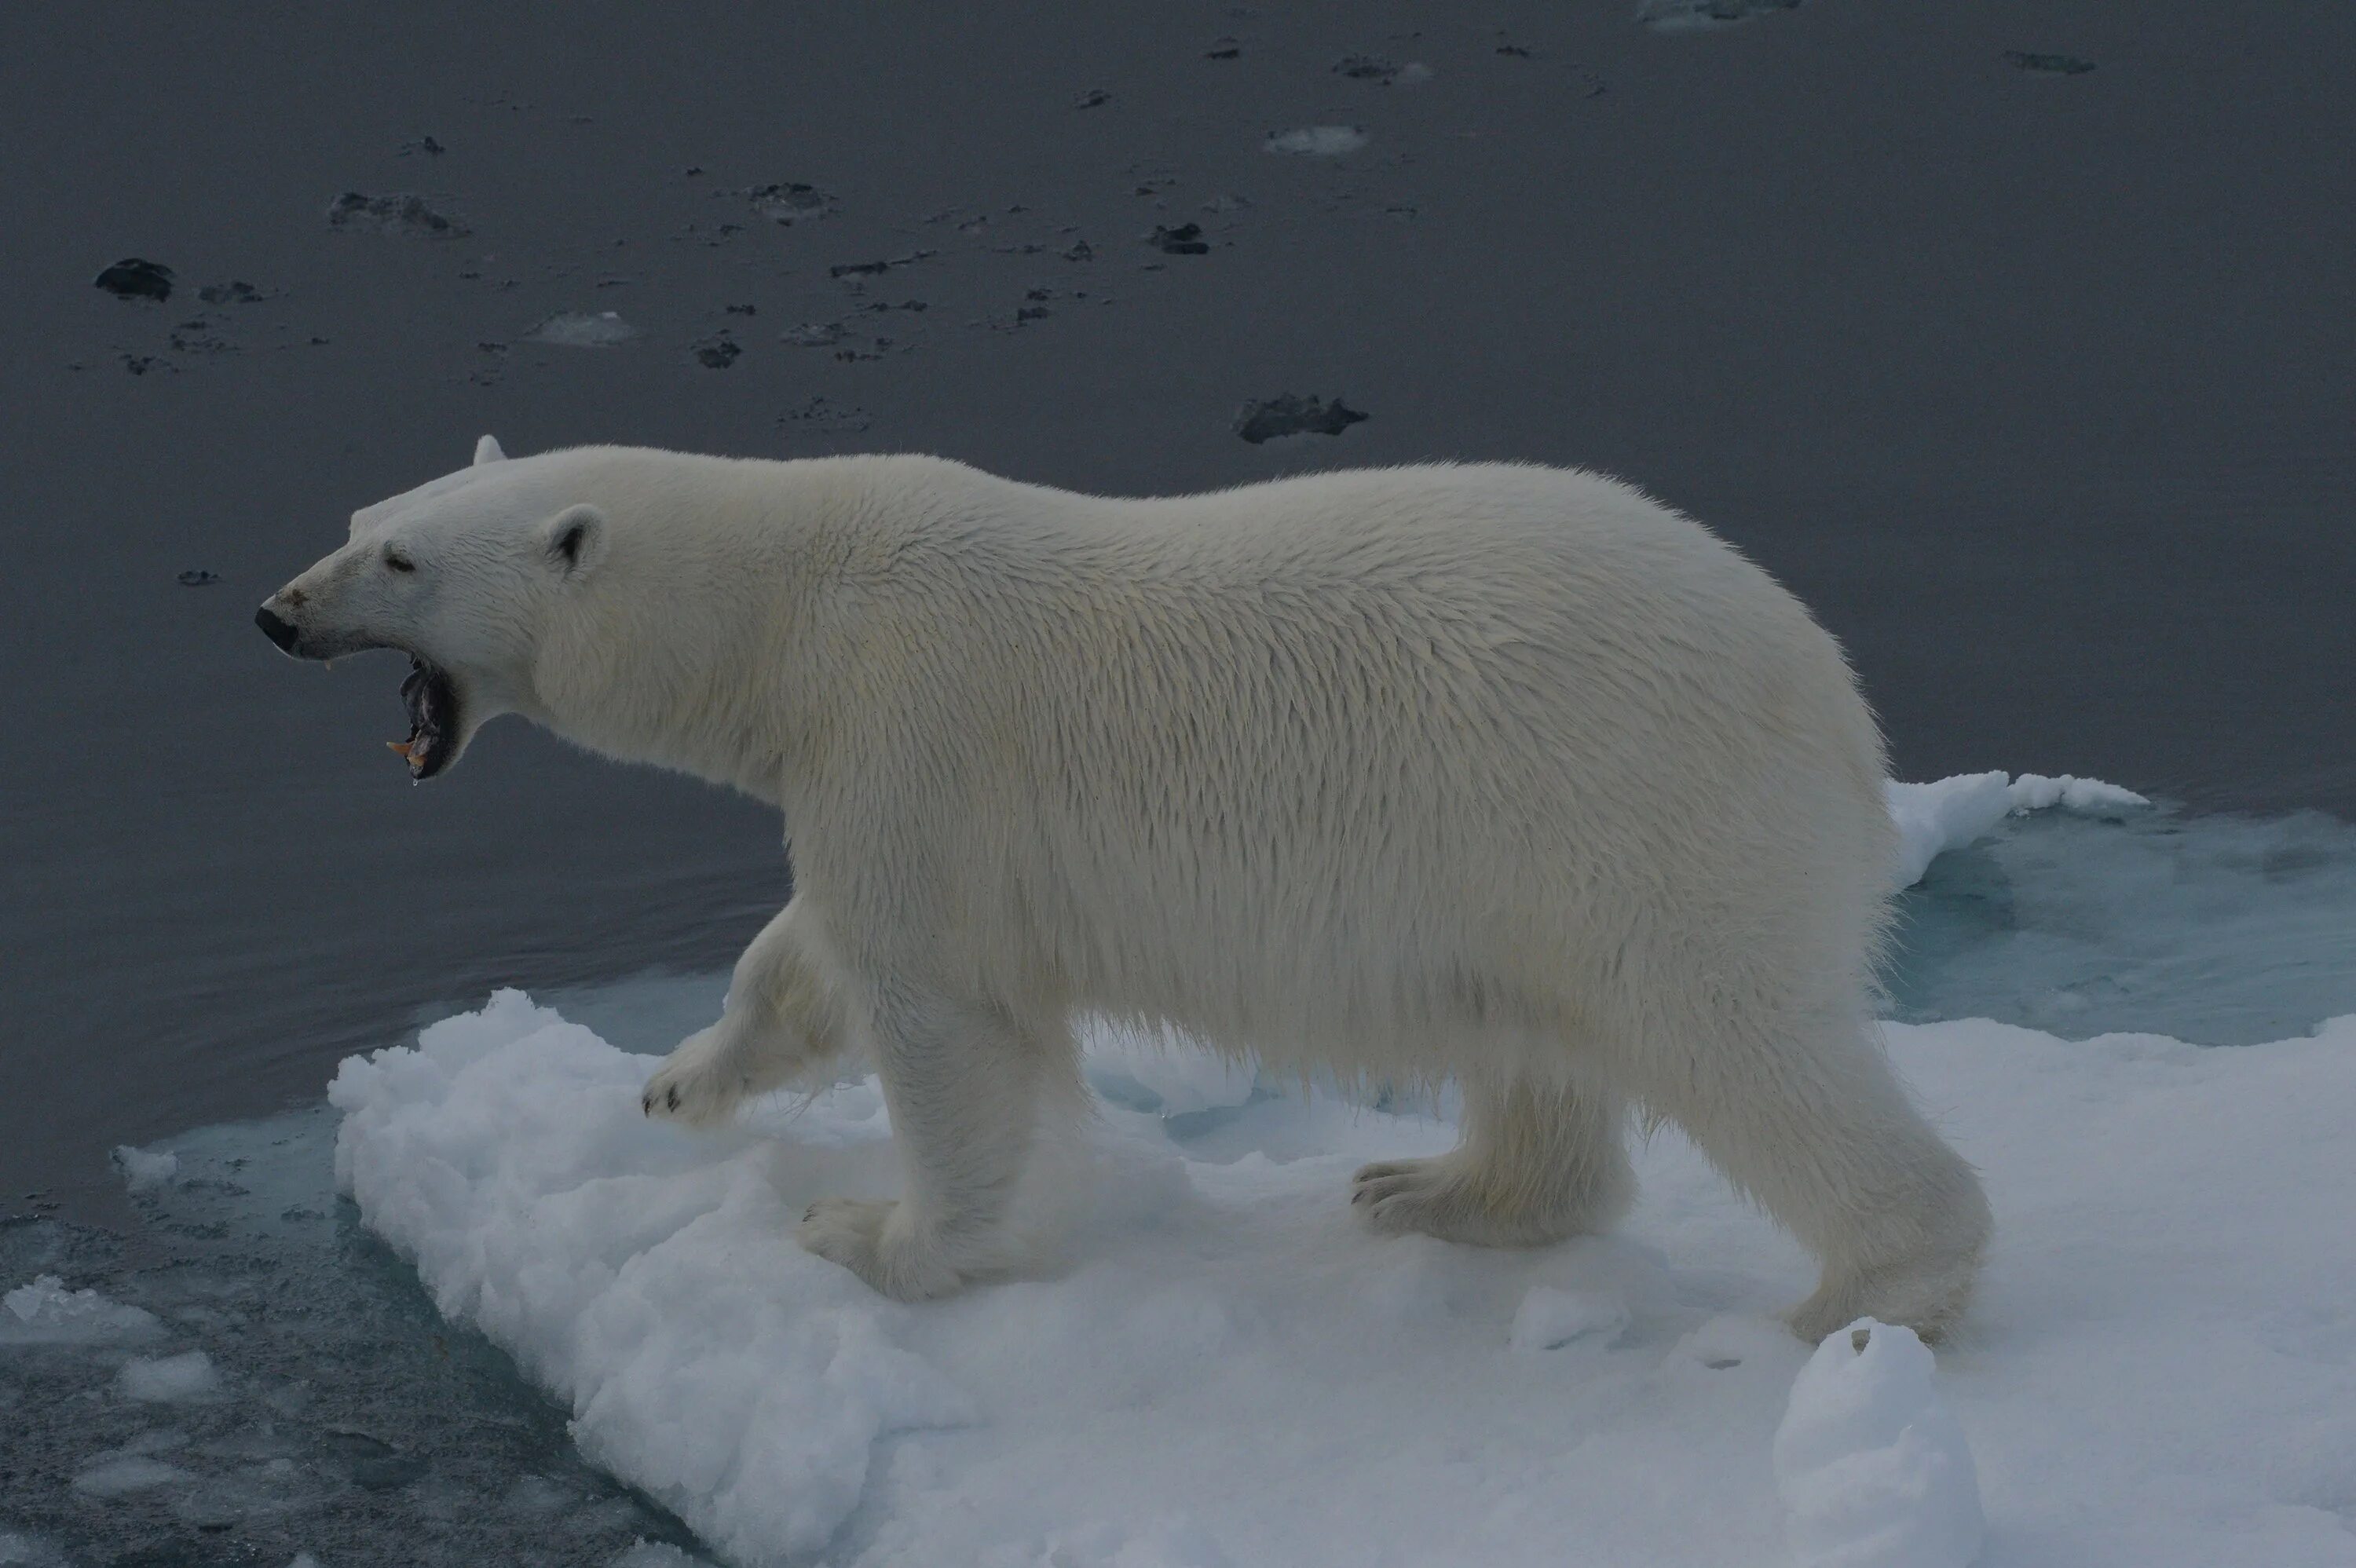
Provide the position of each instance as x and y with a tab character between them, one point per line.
433	730
431	695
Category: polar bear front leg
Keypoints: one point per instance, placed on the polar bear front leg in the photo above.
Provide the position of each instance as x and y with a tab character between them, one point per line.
783	1015
963	1083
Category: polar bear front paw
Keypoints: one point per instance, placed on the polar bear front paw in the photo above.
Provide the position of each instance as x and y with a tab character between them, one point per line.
700	1083
1428	1195
870	1240
1444	1196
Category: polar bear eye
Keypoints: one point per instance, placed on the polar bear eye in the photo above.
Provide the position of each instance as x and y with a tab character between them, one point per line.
397	562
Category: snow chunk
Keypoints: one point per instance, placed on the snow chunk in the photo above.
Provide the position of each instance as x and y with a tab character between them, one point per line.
46	1313
1872	1464
1549	1318
1951	813
144	1171
1934	818
1317	140
1730	1340
169	1379
2035	792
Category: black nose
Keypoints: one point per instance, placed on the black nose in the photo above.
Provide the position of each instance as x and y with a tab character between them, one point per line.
277	628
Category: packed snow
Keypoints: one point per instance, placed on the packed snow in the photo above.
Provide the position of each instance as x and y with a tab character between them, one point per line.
1549	1318
1209	1363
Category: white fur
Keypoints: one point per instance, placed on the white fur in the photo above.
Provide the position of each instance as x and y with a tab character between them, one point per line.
1503	775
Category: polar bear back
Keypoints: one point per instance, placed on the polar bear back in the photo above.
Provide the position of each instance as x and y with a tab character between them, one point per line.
1334	764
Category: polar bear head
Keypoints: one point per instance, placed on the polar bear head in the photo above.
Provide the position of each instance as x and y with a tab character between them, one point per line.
464	575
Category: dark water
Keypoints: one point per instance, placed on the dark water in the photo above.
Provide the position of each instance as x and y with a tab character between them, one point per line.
2034	382
347	1419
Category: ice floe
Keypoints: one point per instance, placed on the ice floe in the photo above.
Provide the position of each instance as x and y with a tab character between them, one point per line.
1210	1364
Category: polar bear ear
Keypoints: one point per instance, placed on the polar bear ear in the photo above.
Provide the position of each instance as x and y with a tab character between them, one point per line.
488	451
574	540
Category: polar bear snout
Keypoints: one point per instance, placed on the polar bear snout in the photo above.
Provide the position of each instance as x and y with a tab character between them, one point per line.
291	622
279	630
301	626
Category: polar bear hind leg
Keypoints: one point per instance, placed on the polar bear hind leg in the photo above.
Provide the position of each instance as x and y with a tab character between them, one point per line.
1539	1162
1813	1123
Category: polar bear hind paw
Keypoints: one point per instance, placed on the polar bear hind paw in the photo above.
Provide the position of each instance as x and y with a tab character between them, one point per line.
1927	1295
861	1235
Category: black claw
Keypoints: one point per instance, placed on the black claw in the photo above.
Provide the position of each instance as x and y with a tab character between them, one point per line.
674	1096
810	1213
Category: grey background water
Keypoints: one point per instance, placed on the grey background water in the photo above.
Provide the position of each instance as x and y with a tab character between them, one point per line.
2036	384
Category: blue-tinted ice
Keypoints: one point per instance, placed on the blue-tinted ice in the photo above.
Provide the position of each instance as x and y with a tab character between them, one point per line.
2221	931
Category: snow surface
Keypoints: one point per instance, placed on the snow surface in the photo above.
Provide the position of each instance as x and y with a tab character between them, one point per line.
1550	1318
46	1313
1211	1364
1934	818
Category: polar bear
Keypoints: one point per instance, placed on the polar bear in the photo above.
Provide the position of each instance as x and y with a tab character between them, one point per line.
1503	775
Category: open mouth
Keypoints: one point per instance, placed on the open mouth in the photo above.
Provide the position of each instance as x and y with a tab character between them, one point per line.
433	699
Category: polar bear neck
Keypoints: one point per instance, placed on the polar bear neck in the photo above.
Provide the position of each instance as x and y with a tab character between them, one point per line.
687	644
736	607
